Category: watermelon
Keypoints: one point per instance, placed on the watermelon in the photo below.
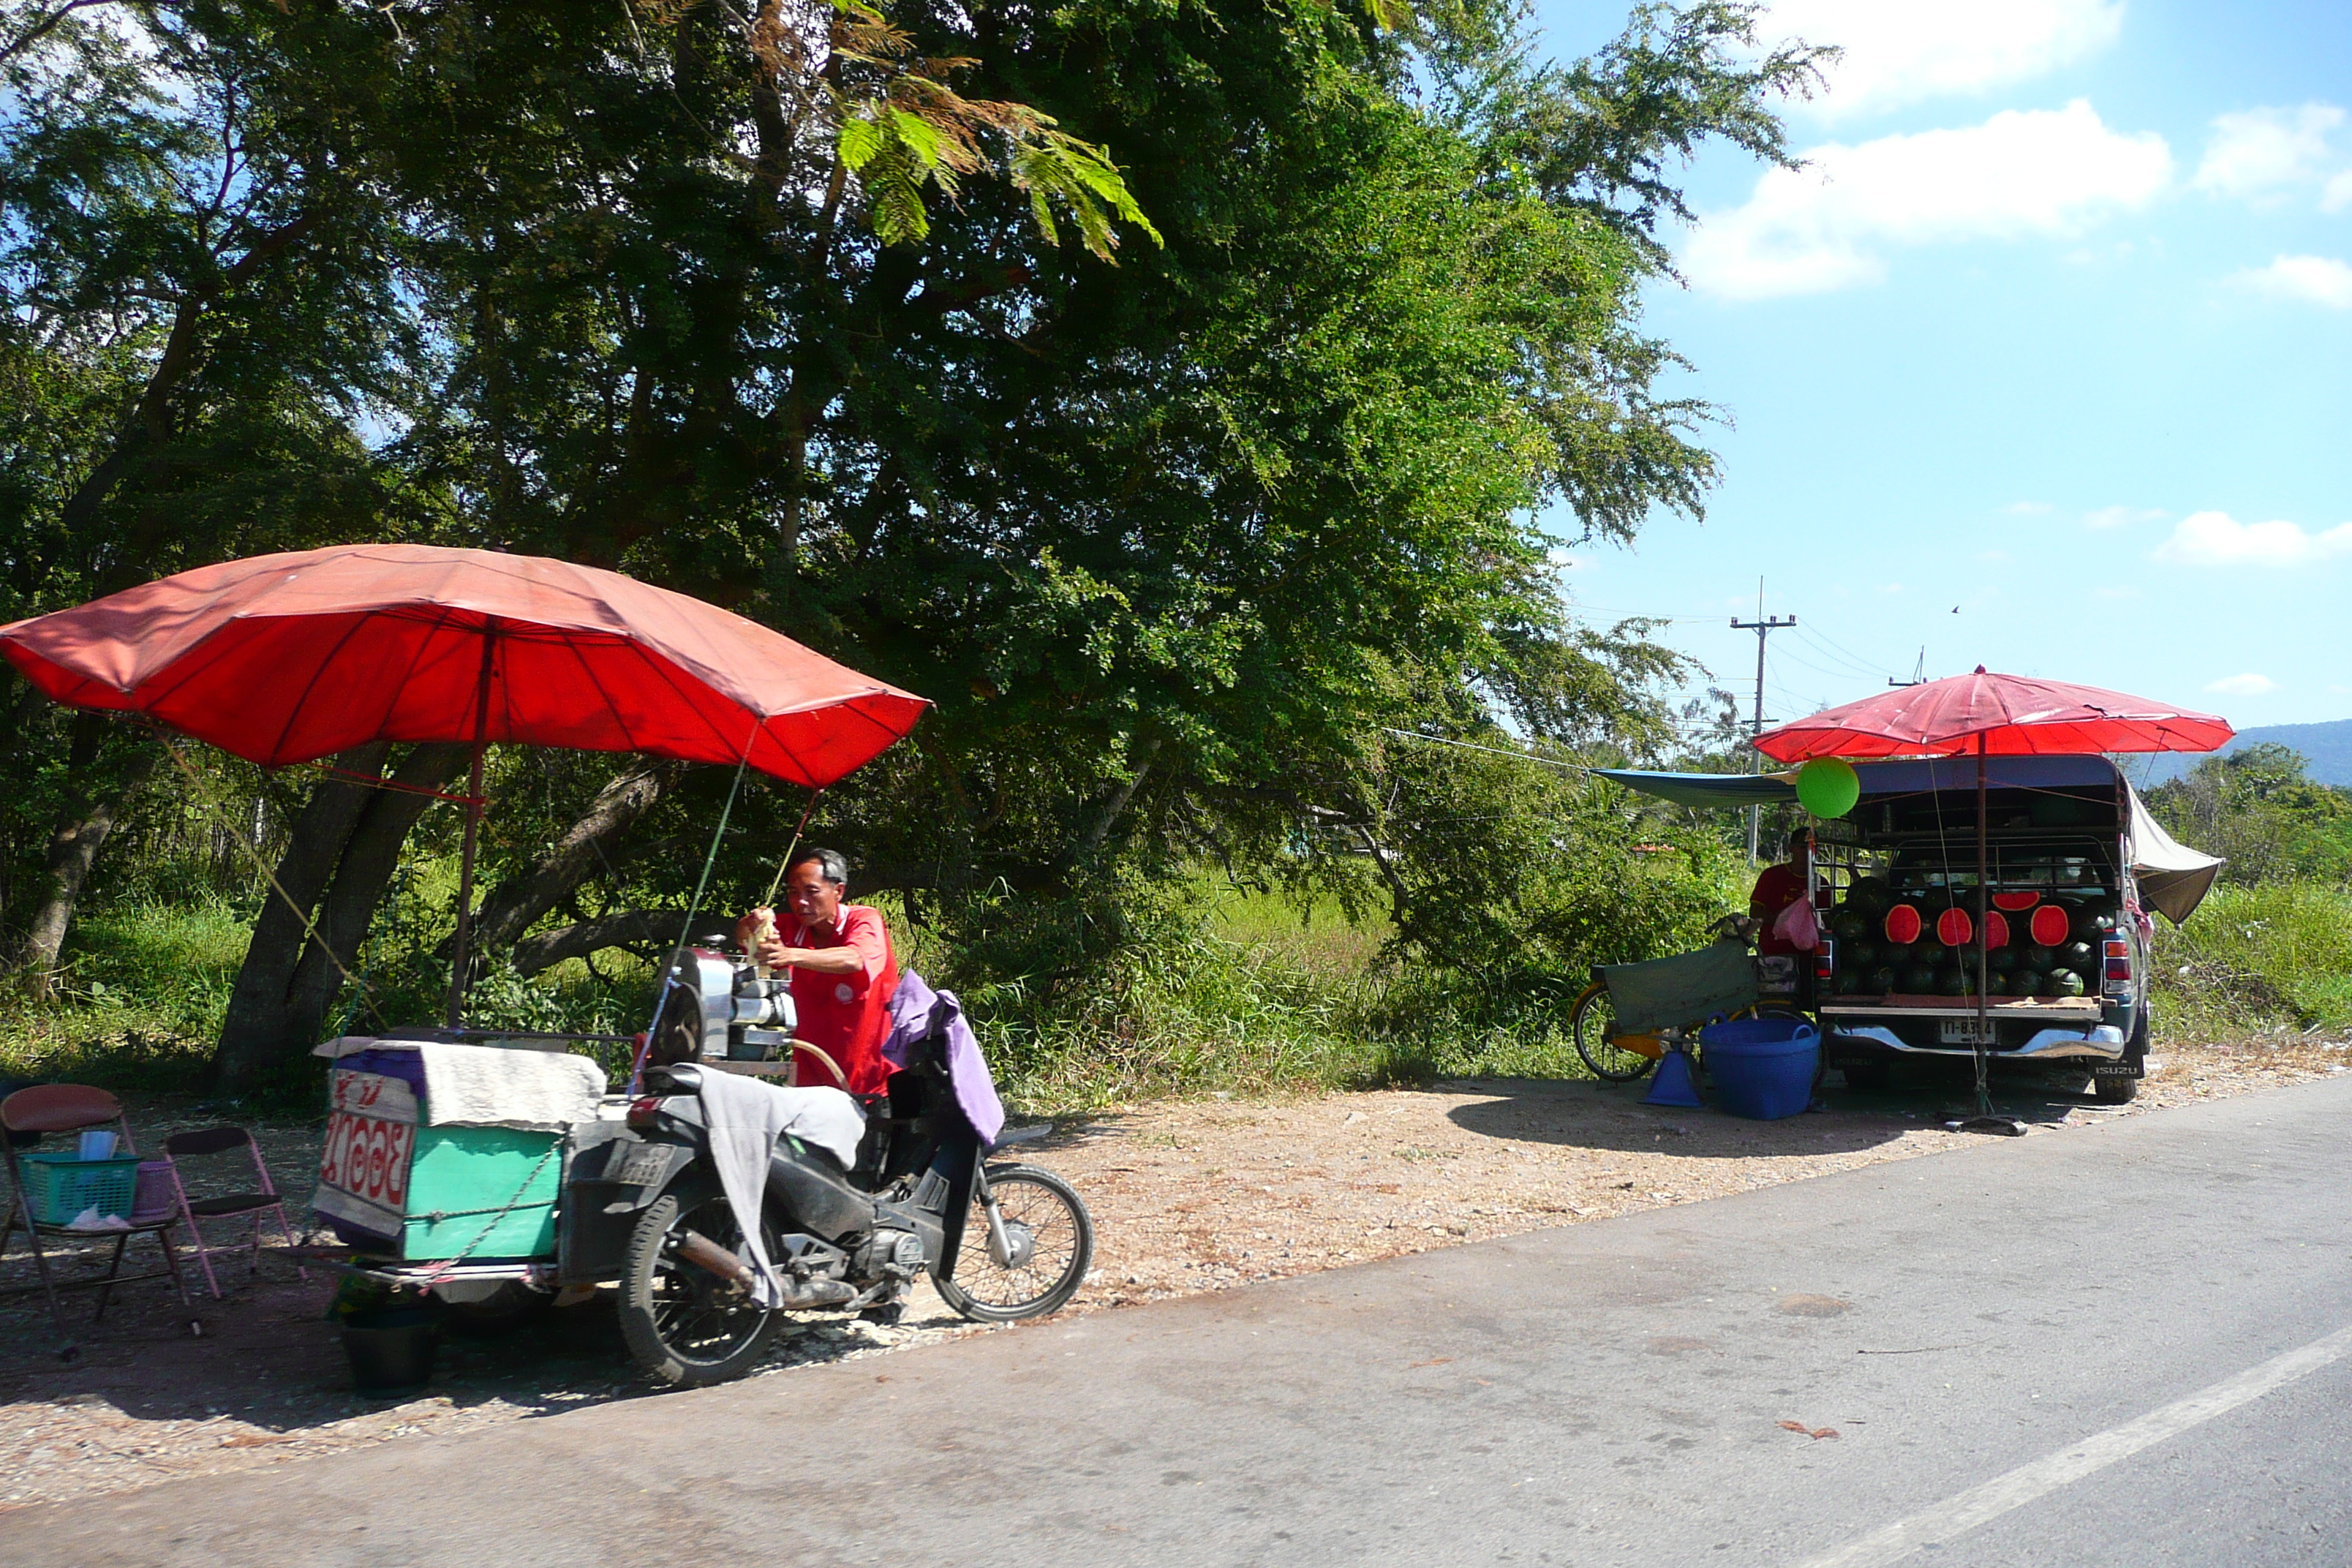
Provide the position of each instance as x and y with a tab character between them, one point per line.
2015	901
1918	980
1882	980
1860	956
2043	958
1903	924
2025	983
1871	895
2003	958
1996	930
1849	926
2077	955
2067	982
2049	926
1847	985
1954	929
2105	924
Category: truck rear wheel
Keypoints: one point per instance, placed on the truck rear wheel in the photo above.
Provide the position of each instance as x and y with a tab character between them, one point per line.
2114	1089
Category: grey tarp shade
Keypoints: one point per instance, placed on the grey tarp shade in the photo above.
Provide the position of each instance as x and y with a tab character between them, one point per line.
1703	790
2173	878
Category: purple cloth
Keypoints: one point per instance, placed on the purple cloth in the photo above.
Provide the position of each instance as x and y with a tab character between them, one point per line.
914	1009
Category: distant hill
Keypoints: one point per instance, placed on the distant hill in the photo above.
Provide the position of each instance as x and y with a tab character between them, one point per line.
2328	746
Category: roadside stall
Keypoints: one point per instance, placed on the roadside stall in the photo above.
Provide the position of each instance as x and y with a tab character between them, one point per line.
457	1159
1983	877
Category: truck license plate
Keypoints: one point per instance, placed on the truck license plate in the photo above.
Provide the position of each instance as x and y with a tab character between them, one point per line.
1964	1032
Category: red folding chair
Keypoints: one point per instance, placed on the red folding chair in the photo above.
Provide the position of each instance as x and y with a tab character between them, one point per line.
213	1142
73	1108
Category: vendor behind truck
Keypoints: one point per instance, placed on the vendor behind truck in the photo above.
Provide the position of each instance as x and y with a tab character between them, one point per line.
842	968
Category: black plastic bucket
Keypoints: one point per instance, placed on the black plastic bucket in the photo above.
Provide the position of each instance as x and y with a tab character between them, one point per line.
391	1349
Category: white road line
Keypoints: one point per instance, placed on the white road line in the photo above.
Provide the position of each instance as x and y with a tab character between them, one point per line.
1956	1516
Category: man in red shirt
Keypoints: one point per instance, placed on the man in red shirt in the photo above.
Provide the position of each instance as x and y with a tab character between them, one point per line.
1775	890
842	968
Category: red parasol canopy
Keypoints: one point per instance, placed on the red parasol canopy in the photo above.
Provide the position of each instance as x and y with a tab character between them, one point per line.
285	659
1994	715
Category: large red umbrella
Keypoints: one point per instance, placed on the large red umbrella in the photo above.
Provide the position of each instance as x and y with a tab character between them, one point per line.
1982	714
1998	715
285	658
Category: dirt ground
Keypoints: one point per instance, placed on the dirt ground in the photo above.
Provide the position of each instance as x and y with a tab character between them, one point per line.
1186	1197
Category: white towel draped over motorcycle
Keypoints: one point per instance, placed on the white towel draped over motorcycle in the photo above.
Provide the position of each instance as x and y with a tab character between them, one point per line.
744	1116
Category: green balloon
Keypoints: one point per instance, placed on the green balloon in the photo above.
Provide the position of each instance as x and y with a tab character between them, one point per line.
1828	786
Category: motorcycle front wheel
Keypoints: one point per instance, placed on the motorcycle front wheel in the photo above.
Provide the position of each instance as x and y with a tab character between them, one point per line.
686	1325
1048	1245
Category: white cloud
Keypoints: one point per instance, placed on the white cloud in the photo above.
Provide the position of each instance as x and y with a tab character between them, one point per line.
2246	685
1825	226
2322	280
2217	539
2337	193
2121	516
1900	52
2266	151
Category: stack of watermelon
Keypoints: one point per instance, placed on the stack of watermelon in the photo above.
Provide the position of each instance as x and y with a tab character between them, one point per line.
1922	942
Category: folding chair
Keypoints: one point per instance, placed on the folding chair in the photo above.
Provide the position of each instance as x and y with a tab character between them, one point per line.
72	1107
214	1141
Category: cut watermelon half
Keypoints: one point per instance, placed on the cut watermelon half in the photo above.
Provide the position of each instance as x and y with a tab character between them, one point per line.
1953	928
1903	924
2015	902
2049	927
1996	930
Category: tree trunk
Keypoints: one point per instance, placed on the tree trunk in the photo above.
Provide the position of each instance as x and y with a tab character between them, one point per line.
81	831
519	901
631	928
344	847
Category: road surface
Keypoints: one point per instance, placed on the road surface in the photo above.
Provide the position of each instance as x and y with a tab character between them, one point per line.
2130	1344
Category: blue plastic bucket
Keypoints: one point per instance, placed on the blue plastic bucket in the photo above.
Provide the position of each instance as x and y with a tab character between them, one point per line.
1762	1068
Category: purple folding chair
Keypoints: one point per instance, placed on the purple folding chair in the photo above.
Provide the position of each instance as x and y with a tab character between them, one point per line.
216	1140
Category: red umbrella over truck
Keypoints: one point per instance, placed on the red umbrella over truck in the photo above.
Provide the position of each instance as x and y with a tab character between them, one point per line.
292	657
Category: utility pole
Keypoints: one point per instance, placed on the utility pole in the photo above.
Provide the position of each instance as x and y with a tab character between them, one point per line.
1919	672
1763	626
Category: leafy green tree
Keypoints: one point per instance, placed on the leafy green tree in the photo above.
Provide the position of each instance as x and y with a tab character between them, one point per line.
2258	807
196	261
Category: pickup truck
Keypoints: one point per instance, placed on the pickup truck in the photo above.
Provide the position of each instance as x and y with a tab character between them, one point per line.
2077	872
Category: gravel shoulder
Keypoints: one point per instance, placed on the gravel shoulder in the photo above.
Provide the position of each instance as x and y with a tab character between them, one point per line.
1187	1197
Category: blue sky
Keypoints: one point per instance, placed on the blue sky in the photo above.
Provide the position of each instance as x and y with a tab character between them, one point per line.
2055	331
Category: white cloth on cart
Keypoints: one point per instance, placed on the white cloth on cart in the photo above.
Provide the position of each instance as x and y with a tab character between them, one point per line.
744	1116
484	1086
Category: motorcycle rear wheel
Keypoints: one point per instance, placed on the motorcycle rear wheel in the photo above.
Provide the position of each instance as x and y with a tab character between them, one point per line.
1054	1237
685	1325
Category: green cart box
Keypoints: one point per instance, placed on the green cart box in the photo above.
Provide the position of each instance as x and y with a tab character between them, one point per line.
428	1192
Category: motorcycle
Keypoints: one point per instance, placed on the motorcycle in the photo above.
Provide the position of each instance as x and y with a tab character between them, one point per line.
999	1241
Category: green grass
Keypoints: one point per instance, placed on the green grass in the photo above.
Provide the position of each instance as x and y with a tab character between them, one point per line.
2256	957
139	1002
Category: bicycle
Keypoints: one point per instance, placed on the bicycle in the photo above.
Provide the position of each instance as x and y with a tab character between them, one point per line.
1670	999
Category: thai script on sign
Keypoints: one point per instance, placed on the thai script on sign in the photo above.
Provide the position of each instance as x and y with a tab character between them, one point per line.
370	1138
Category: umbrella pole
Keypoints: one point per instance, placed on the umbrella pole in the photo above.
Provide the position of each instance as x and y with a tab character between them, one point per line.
462	956
1984	1120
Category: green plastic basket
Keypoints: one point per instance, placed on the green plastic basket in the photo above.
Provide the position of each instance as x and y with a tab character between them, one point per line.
59	1186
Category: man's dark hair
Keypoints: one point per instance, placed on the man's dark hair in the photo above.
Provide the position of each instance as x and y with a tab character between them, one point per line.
830	865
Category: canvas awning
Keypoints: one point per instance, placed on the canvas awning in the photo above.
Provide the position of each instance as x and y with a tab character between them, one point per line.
1704	790
2173	878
